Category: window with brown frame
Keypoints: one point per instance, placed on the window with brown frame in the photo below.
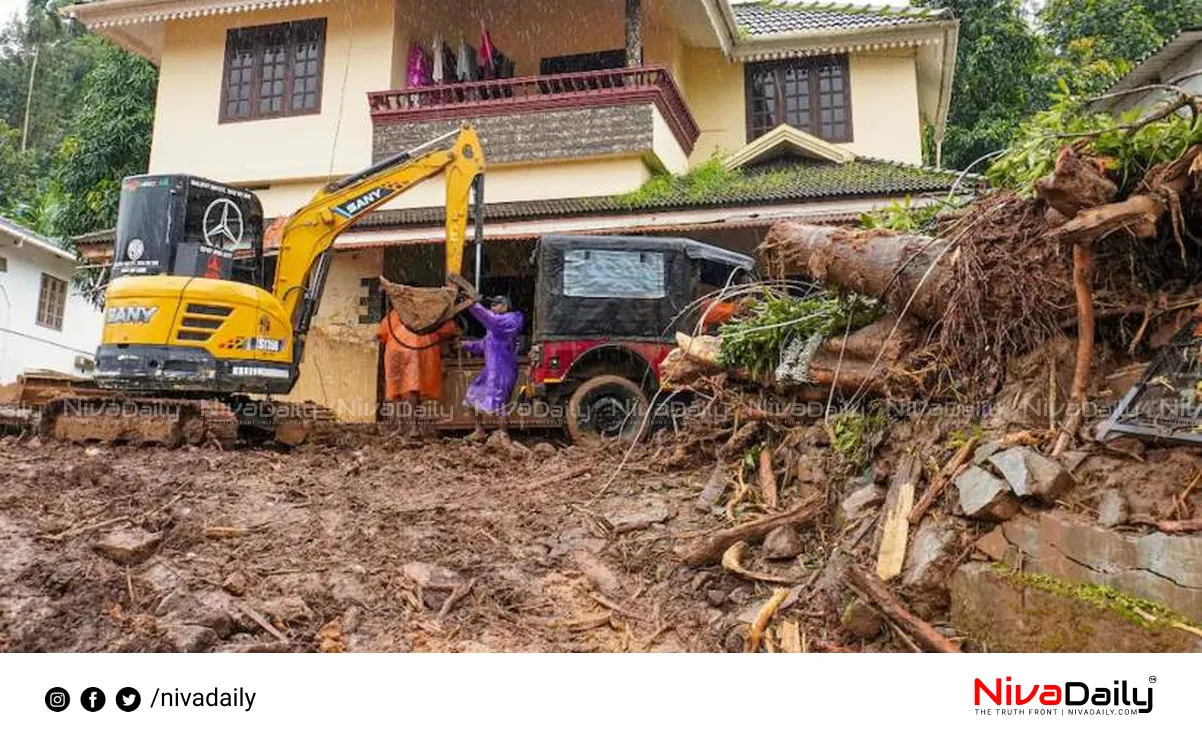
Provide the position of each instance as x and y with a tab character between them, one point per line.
273	71
52	301
812	94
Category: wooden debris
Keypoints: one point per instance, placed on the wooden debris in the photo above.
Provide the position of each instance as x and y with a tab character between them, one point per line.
732	561
767	479
555	479
880	595
896	530
790	637
709	550
456	596
1083	286
1172	527
762	618
1181	505
940	482
260	620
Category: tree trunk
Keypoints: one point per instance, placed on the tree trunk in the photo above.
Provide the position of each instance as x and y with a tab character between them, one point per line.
634	33
872	262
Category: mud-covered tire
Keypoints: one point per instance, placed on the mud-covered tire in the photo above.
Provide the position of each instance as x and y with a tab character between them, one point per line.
607	406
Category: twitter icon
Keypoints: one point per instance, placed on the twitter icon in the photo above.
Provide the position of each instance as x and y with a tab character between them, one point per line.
128	699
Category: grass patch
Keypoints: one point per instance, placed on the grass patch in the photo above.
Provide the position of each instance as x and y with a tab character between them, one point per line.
1141	612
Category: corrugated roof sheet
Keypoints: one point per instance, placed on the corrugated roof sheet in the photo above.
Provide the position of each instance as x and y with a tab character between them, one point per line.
773	18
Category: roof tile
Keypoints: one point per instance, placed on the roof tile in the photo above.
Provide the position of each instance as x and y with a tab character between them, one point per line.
772	18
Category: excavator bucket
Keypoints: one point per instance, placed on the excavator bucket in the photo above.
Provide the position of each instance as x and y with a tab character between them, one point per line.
423	309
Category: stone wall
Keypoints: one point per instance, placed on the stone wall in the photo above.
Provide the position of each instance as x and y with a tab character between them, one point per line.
1163	568
530	136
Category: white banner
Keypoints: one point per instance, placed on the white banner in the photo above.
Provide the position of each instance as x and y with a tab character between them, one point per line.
613	698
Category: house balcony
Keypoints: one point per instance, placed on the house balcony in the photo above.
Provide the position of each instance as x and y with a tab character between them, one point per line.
614	114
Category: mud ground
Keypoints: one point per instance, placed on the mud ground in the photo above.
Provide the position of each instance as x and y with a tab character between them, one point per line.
320	543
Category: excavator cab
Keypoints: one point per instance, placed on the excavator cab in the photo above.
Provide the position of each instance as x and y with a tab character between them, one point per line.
182	225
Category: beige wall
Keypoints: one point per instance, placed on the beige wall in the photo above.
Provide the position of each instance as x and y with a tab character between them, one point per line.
188	137
884	105
340	365
714	91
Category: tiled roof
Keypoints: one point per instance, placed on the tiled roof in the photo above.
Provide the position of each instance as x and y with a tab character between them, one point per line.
785	181
772	18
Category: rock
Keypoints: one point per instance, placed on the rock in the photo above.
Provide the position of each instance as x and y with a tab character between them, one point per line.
983	496
782	543
932	555
234	583
711	495
716	597
434	583
985	451
929	564
499	442
1113	509
128	546
993	545
351	619
598	574
1032	474
160	577
190	638
861	620
287	610
1128	445
1004	613
543	450
1073	459
654	513
860	503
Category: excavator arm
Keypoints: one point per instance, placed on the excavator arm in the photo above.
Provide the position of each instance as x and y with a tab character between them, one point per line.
308	234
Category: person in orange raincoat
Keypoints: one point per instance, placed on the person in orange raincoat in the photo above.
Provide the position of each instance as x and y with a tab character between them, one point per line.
412	363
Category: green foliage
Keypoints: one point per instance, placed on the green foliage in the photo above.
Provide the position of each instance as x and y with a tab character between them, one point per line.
106	139
1040	139
755	341
707	179
903	216
1010	65
89	122
854	436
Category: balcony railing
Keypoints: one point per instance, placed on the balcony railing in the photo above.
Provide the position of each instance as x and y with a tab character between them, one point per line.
541	93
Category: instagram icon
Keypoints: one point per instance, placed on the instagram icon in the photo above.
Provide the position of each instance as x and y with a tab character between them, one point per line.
57	699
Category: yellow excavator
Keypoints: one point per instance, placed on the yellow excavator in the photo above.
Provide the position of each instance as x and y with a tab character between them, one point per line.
194	324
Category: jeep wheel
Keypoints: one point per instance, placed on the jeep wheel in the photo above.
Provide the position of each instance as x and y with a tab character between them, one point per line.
606	407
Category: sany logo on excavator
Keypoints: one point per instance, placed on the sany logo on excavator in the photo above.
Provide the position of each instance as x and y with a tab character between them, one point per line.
350	208
129	315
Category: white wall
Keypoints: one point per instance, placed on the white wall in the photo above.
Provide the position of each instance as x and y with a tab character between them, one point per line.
25	345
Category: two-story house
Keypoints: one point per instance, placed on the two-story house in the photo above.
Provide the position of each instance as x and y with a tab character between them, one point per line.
809	111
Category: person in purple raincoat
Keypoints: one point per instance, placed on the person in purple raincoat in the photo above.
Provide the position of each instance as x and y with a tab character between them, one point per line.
489	392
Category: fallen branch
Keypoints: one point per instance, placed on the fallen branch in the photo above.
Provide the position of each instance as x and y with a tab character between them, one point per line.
732	560
767	479
76	531
709	550
941	480
762	618
259	619
1172	527
455	597
884	600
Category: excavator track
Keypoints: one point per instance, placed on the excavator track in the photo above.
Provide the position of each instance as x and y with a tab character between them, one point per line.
164	421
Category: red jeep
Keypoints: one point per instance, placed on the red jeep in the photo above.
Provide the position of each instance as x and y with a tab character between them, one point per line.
606	312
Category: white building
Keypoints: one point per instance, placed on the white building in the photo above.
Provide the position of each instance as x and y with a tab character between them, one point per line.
45	323
1177	62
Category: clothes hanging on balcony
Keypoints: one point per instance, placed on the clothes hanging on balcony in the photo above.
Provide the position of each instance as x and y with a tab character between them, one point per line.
450	64
488	62
465	66
438	71
420	73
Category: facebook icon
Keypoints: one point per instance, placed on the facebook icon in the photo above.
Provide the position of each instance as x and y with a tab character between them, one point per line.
92	699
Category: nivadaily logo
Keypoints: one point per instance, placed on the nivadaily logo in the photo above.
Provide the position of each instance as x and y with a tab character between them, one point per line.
1068	698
